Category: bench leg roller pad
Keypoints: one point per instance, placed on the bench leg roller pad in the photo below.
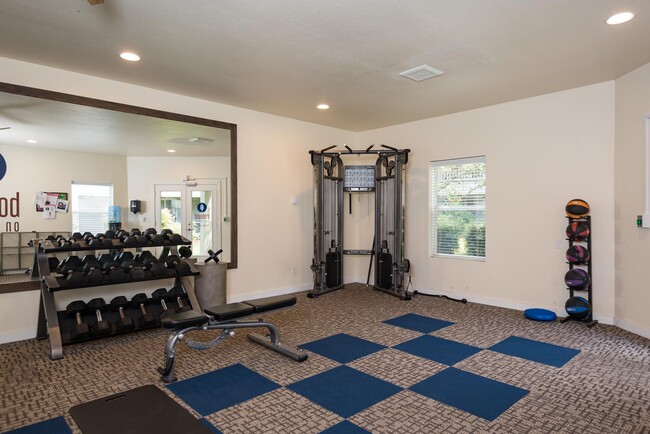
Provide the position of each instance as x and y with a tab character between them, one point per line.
272	342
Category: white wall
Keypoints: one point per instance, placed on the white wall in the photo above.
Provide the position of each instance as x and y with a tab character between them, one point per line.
145	172
273	165
541	152
632	243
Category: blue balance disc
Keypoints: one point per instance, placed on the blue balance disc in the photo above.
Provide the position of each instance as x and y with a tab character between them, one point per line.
540	314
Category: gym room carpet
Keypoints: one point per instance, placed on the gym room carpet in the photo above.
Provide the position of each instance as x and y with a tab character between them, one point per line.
376	364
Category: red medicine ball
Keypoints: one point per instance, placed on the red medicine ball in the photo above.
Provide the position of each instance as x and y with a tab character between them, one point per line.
577	231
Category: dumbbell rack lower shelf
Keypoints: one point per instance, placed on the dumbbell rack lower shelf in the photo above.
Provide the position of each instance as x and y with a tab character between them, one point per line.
56	325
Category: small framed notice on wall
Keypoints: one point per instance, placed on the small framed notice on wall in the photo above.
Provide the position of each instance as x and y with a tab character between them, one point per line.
359	178
44	199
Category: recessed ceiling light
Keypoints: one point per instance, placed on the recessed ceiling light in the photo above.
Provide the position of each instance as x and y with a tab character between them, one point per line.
131	57
171	151
621	18
32	141
322	106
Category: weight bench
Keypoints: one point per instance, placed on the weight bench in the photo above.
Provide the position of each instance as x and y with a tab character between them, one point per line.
223	318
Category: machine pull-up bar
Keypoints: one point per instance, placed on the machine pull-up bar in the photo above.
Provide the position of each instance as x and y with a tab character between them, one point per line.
386	179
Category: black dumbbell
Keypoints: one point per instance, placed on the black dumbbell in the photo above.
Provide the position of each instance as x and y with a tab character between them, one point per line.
101	327
130	241
125	323
177	293
77	236
50	238
171	261
74	279
135	231
103	241
110	264
110	234
157	268
185	252
93	273
146	258
120	234
183	268
53	263
116	274
161	296
88	259
140	301
137	272
153	236
79	329
104	258
71	263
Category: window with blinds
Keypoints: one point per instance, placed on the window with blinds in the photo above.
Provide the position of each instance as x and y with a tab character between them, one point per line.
457	207
89	204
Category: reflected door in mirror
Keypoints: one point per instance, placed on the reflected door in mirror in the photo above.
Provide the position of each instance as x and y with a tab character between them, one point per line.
193	212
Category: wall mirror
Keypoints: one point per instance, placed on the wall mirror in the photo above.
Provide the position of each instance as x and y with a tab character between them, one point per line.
172	163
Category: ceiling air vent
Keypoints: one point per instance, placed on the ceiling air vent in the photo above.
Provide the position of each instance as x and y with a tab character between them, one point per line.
200	140
421	73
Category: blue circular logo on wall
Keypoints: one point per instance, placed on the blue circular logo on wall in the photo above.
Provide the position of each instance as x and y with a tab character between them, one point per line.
202	207
3	167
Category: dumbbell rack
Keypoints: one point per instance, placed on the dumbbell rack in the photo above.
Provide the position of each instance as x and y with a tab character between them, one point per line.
590	321
57	325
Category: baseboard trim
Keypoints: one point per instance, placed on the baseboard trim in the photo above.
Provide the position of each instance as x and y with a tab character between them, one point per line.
632	328
509	304
268	293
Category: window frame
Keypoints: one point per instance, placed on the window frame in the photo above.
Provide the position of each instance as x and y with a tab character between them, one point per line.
433	248
73	200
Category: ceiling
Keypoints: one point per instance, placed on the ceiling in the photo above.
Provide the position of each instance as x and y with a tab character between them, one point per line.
286	56
71	127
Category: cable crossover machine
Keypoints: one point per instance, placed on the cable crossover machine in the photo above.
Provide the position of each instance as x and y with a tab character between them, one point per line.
386	179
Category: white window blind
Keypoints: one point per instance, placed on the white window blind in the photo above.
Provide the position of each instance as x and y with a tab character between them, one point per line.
89	204
457	207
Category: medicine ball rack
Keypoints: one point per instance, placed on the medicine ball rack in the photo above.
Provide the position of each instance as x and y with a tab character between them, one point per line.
388	244
589	320
57	324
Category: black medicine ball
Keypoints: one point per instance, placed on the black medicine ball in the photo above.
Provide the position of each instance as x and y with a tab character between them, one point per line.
578	308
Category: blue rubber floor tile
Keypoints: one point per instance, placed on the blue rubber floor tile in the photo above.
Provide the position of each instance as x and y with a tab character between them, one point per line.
419	323
480	396
345	427
222	388
549	354
438	349
344	391
58	425
343	348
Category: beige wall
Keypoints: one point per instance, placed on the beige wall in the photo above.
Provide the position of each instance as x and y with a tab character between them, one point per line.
541	152
273	165
30	170
632	243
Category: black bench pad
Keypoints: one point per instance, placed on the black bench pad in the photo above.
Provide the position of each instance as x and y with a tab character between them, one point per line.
229	311
270	303
181	320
